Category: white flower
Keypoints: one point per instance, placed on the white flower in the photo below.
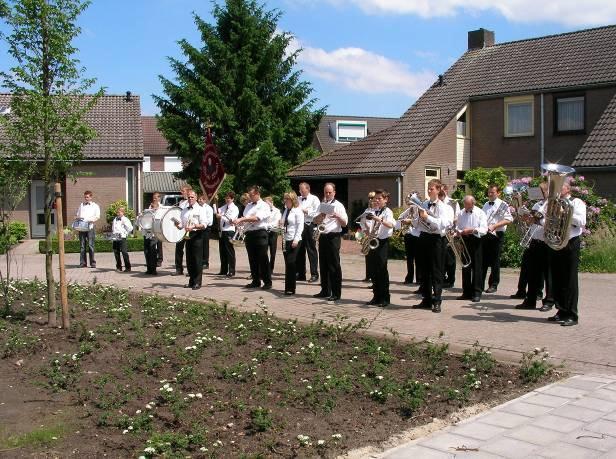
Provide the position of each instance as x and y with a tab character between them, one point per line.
379	377
138	412
337	436
320	442
199	395
149	450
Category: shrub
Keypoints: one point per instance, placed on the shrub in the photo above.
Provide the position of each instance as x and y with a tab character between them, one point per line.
477	181
511	256
599	255
396	242
11	234
135	244
113	209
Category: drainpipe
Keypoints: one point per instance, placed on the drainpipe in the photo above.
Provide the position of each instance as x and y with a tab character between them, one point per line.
542	146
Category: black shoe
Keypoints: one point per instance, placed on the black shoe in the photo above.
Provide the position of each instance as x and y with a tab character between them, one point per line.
518	296
383	304
333	298
289	292
206	266
556	318
300	277
373	302
159	264
491	289
320	295
568	322
436	307
407	282
476	299
177	273
313	279
417	292
93	265
366	279
188	286
539	297
525	305
231	275
266	286
252	285
196	287
546	307
463	297
422	305
82	265
127	270
118	270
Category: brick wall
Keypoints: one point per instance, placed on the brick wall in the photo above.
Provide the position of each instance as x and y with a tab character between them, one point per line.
605	182
490	148
440	153
157	163
360	187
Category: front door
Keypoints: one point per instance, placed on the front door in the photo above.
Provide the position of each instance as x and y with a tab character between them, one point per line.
431	173
37	209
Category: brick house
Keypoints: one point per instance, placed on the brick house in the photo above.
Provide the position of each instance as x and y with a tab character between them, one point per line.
111	168
515	105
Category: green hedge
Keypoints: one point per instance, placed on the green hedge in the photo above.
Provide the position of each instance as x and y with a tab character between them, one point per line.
101	245
12	234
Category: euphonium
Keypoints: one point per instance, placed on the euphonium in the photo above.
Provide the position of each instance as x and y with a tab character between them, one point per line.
240	235
559	212
371	240
414	200
458	246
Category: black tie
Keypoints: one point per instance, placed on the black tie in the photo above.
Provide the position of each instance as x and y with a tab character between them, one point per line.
469	211
286	218
118	219
303	198
431	204
491	203
86	203
378	212
189	207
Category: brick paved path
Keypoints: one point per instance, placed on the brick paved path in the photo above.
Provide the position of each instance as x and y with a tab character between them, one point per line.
588	347
575	418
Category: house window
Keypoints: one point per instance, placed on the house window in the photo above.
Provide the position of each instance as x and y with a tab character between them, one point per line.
350	131
146	164
519	116
519	173
570	114
462	126
173	164
130	187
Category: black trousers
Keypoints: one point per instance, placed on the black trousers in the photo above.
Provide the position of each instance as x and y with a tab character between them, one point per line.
86	246
539	272
492	248
272	242
523	277
256	246
179	256
206	246
450	266
377	259
472	275
150	250
411	247
159	251
432	257
227	253
329	256
307	246
194	258
369	268
290	268
565	264
121	247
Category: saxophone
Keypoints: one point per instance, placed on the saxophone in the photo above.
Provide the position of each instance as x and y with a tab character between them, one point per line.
371	240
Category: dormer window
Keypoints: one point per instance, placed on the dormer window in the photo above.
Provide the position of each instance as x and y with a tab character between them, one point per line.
349	131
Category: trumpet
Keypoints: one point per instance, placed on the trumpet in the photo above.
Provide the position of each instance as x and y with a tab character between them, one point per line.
458	246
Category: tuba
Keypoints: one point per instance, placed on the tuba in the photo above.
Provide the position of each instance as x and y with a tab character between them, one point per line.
559	211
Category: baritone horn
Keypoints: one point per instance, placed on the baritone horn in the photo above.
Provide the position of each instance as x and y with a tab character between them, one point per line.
559	211
458	246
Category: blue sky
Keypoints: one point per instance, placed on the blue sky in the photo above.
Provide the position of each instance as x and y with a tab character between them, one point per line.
363	57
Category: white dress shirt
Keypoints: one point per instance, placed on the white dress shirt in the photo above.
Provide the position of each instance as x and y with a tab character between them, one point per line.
196	215
440	220
121	226
183	204
260	210
491	210
209	214
273	220
455	205
309	203
90	212
294	225
228	213
538	231
413	230
476	219
578	219
388	216
332	225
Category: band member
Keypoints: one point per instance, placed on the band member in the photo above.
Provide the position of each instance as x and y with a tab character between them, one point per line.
365	228
120	228
179	246
497	212
226	214
293	223
255	218
194	219
472	225
159	244
309	204
89	212
273	224
377	257
151	243
411	244
565	263
434	222
450	258
329	245
204	202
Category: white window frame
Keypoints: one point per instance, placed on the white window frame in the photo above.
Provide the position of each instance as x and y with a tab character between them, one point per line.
147	163
340	123
174	158
128	190
467	127
520	100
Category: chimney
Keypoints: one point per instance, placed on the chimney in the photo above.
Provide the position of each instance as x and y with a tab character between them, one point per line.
129	96
478	39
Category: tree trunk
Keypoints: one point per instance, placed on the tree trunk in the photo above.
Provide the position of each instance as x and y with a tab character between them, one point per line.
51	285
60	233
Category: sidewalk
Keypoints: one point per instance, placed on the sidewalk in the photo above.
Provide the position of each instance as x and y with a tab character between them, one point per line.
575	418
494	323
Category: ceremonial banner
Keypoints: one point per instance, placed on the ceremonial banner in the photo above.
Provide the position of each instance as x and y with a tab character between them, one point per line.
212	172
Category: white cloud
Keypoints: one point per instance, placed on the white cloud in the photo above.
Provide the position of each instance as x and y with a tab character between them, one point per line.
569	12
363	71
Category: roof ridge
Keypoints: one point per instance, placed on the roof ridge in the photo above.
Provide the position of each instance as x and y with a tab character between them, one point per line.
369	117
573	32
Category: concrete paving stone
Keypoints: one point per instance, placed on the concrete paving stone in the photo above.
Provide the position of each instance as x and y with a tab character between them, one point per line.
510	447
569	451
504	419
584	384
577	412
595	404
557	423
562	391
610	417
478	430
546	400
604	394
535	434
448	442
526	409
610	455
416	451
603	426
611	387
590	440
